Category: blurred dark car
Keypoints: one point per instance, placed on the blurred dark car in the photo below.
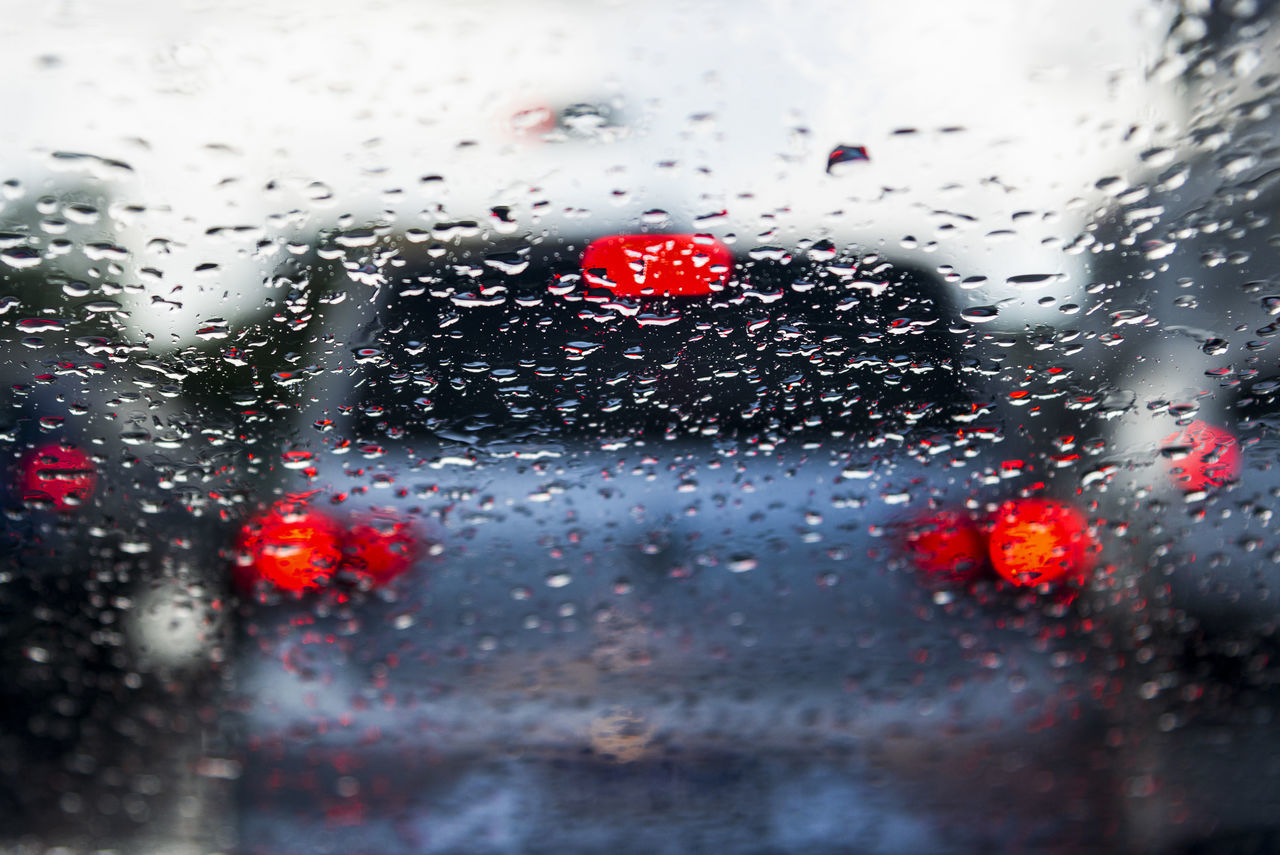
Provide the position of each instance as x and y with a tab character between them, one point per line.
664	595
113	617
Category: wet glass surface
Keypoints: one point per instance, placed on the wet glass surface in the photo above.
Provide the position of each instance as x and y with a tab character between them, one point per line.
552	427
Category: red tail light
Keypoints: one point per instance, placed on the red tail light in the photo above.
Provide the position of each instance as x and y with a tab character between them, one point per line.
948	546
1040	540
380	547
291	546
297	548
1201	457
658	265
63	476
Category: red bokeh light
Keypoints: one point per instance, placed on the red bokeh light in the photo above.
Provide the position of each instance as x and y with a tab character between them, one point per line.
290	546
948	546
656	265
60	475
295	547
1201	456
1040	540
380	547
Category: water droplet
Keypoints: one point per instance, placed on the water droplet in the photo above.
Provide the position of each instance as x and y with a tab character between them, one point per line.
21	258
1033	280
980	314
1216	346
845	154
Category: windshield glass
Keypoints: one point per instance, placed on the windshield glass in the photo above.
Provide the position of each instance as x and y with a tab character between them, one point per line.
548	426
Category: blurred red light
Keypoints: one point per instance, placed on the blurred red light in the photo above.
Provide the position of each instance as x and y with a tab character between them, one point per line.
656	265
948	546
1040	540
534	122
290	546
380	547
58	474
1202	456
297	548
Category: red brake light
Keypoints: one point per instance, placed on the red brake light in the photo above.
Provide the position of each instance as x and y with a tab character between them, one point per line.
58	474
657	265
948	546
290	546
380	547
1212	456
296	548
1040	540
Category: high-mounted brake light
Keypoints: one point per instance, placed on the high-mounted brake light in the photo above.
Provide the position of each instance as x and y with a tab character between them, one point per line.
657	265
1040	540
59	475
